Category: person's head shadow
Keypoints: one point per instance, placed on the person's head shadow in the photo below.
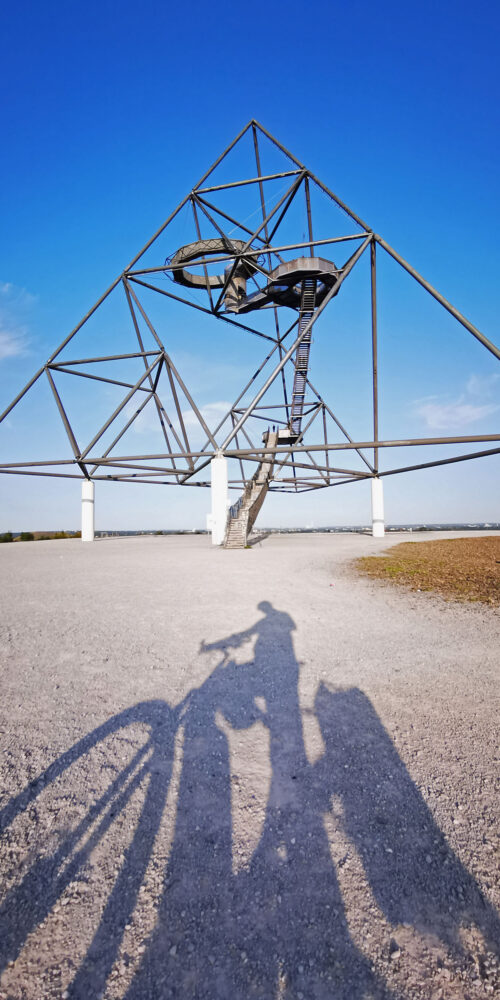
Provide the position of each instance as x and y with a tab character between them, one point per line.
277	925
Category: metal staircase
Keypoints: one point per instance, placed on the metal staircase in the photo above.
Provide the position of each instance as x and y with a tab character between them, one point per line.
307	305
243	514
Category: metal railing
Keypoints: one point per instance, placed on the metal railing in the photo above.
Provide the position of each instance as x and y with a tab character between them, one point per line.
235	509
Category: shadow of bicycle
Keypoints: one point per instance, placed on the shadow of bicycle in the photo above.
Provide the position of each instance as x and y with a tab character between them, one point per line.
160	782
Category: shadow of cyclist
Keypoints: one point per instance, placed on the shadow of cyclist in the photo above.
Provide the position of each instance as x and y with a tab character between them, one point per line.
277	927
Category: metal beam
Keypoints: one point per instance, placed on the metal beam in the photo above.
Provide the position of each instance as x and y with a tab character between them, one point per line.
443	461
52	475
194	305
287	206
440	298
110	357
94	378
269	255
345	208
123	430
339	446
309	217
172	369
373	279
67	426
16	469
337	423
222	155
224	258
159	407
186	199
118	410
262	226
347	269
205	269
250	180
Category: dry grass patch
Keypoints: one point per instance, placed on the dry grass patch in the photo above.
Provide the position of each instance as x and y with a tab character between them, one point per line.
466	569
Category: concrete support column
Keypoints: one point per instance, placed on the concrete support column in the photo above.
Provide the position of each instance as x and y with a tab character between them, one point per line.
87	511
218	518
378	527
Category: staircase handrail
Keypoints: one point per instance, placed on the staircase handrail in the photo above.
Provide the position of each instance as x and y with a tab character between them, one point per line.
236	507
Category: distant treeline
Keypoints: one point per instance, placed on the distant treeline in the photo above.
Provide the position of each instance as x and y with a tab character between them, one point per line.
327	529
37	536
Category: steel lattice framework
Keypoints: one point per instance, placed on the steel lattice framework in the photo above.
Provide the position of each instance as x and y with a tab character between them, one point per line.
280	392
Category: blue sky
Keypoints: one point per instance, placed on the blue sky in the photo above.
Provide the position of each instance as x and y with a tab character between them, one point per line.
111	113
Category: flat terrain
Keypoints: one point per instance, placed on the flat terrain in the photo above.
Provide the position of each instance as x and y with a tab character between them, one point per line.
244	774
465	569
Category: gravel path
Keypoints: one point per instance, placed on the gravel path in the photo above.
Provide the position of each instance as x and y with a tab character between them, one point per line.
244	774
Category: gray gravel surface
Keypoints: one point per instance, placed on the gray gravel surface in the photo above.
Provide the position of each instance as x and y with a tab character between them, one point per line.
243	774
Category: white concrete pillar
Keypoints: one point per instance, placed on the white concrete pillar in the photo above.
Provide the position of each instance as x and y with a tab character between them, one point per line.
378	528
87	511
220	501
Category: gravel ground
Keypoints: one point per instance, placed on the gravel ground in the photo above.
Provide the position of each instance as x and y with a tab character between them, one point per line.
244	774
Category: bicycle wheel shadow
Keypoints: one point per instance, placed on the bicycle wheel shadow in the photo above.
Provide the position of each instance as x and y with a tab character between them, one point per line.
278	926
32	898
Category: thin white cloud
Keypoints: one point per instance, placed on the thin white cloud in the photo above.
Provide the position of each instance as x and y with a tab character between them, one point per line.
15	305
445	413
16	295
454	415
202	375
13	343
212	414
148	421
483	385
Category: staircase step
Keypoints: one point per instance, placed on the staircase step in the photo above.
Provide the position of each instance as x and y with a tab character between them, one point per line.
307	306
240	525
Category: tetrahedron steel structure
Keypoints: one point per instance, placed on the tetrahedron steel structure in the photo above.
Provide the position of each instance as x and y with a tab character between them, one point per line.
243	262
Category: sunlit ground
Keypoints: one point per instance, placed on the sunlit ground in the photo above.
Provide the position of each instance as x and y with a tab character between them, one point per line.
243	774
